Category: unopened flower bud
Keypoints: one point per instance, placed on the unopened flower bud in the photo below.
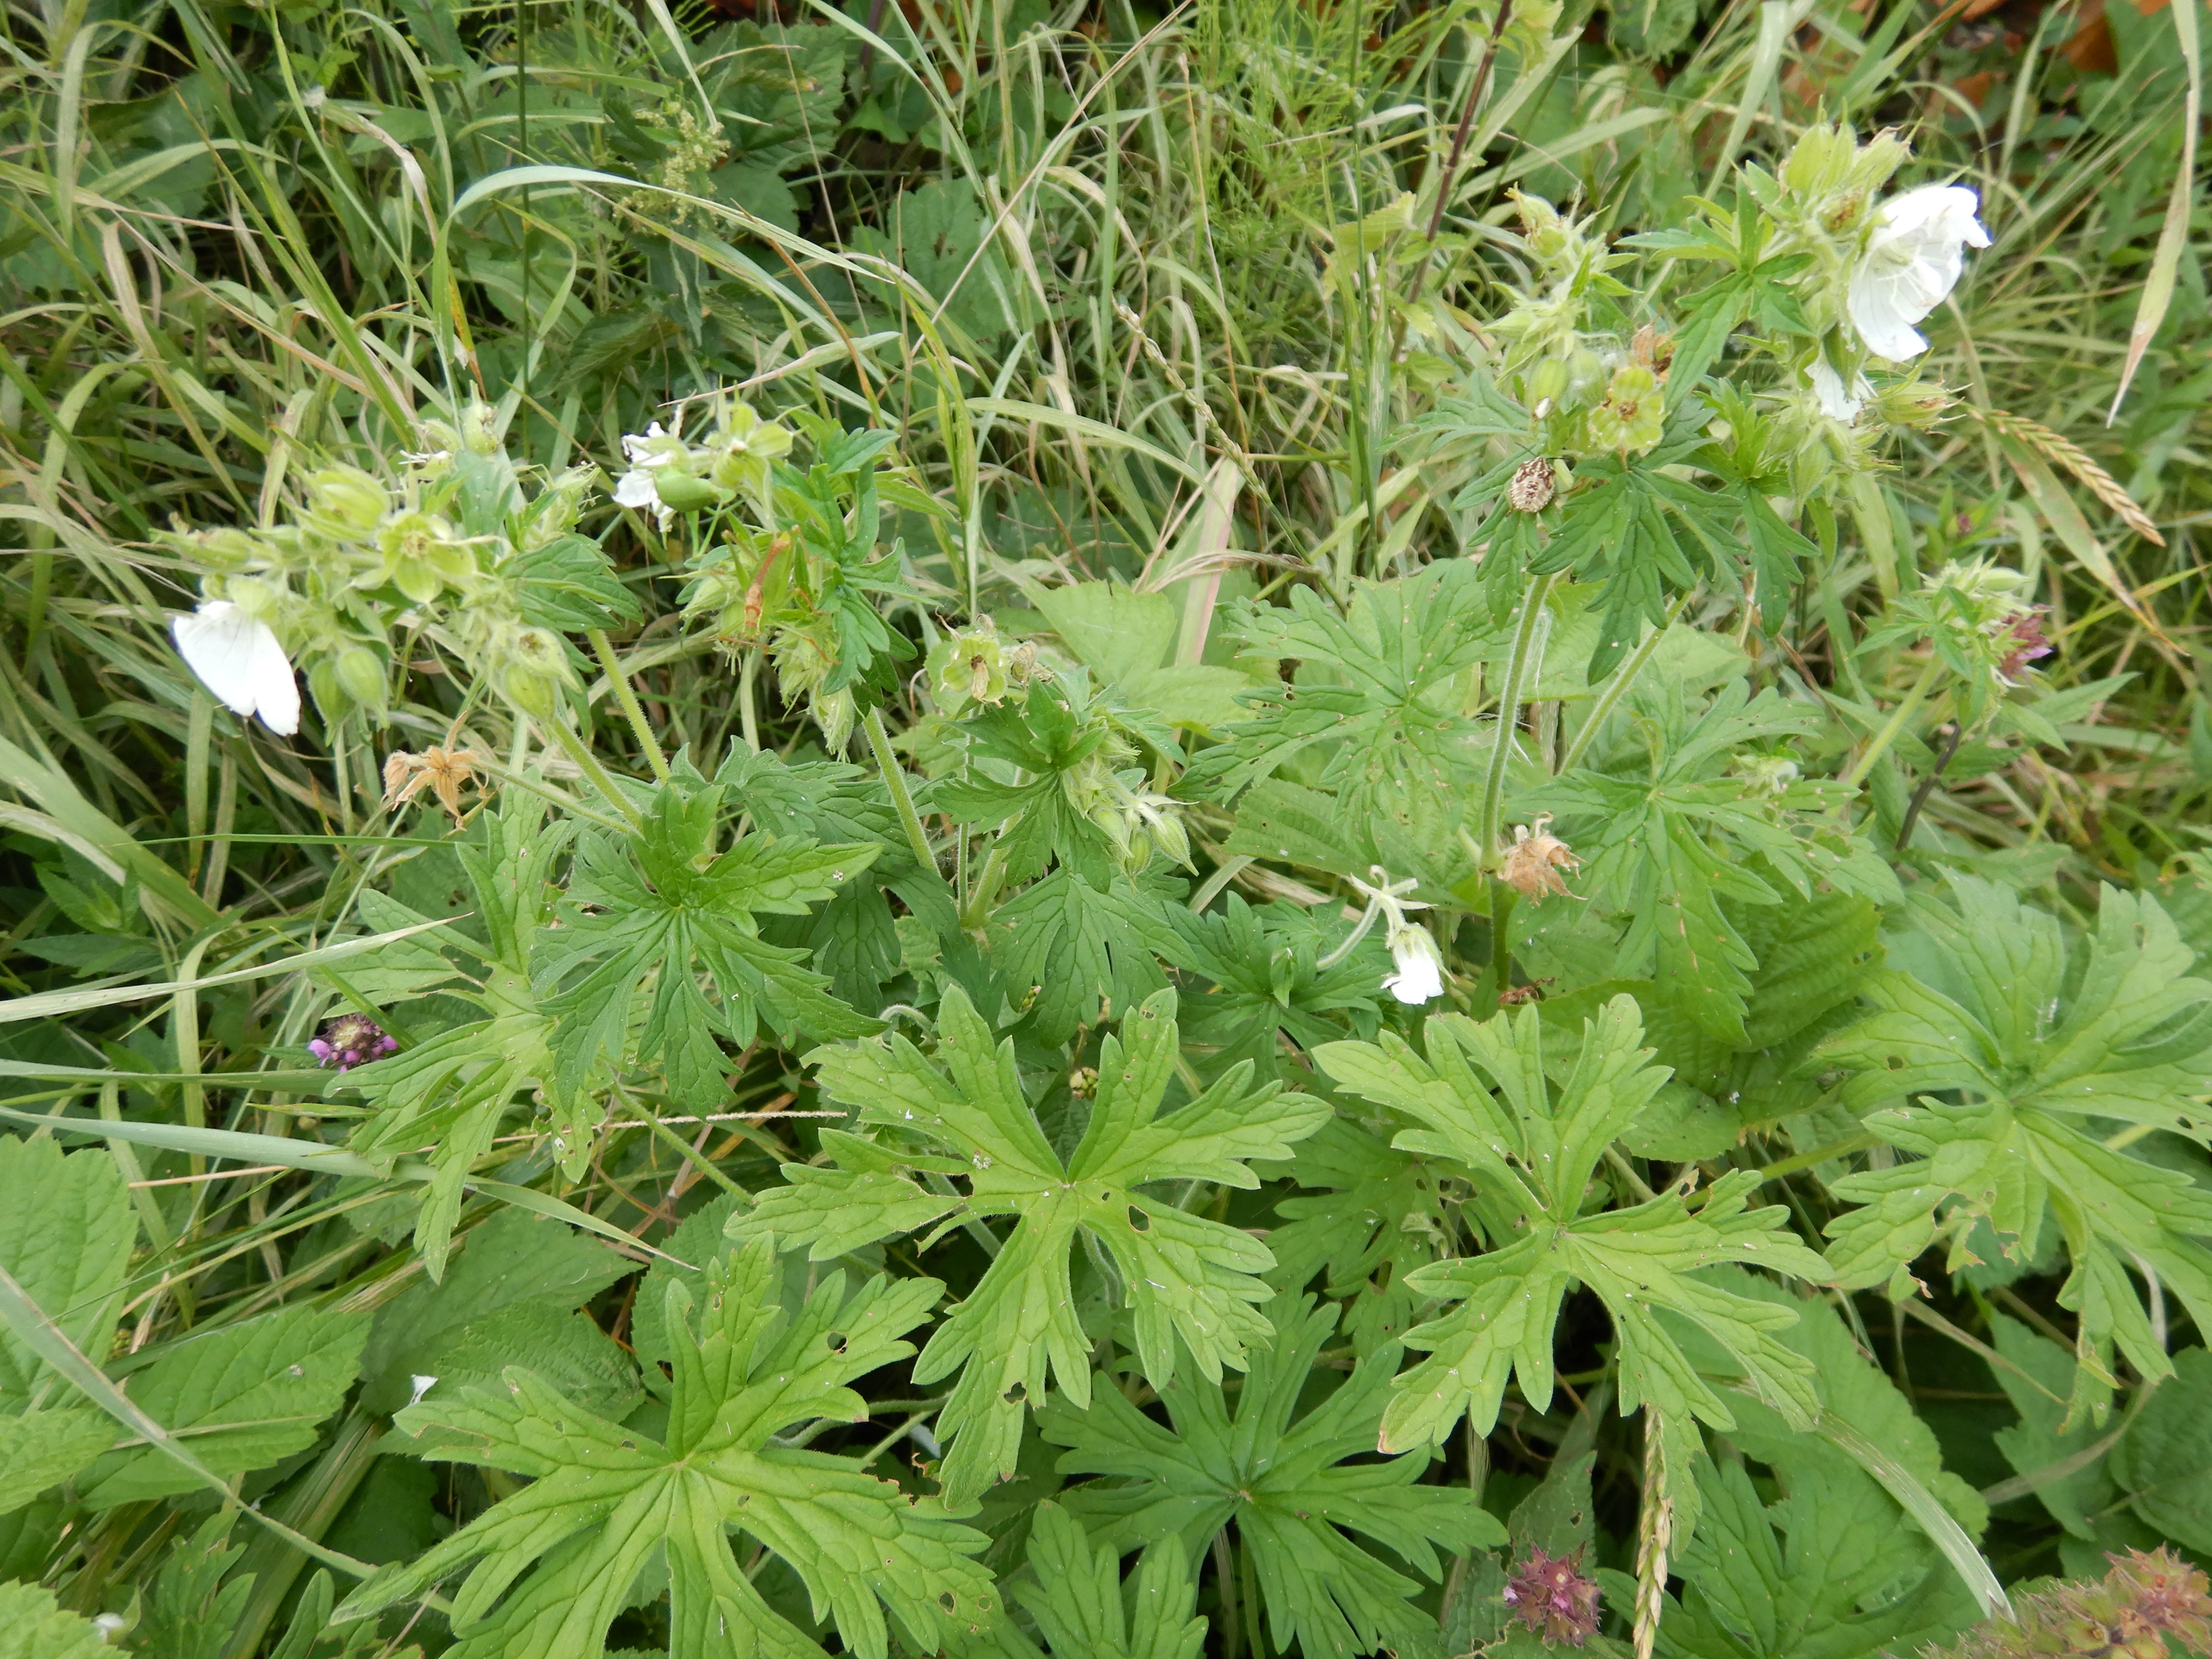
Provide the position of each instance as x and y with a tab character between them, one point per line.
682	493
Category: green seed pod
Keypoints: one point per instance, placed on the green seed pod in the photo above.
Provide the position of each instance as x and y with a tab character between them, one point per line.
359	673
682	493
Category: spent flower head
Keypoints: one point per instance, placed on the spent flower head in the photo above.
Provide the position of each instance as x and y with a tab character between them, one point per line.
1553	1596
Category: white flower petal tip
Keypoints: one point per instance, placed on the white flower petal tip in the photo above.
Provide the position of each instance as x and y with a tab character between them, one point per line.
1420	976
422	1385
1914	259
1836	403
238	658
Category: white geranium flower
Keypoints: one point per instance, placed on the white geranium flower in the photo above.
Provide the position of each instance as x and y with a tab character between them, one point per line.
1914	261
1420	976
648	452
238	658
1836	403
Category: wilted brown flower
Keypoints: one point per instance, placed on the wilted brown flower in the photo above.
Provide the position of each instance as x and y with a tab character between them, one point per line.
1550	1595
442	771
1532	487
1531	864
2023	638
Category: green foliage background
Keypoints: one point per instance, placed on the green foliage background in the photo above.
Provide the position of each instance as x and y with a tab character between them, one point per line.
899	1136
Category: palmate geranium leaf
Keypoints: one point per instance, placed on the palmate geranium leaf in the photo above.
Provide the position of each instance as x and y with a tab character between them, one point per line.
1674	849
555	1562
450	1090
1186	1277
1076	1596
1373	709
1292	1490
1480	1102
653	913
2034	1043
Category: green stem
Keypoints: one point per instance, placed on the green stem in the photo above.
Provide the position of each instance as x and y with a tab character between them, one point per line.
1502	901
1518	676
895	780
588	764
986	887
604	649
682	1148
748	722
1895	724
1617	688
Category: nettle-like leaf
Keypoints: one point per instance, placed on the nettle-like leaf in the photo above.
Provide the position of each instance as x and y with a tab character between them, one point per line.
1377	703
557	1561
450	1090
2034	1045
1674	848
1185	1277
1077	1597
1480	1103
66	1233
652	914
1292	1490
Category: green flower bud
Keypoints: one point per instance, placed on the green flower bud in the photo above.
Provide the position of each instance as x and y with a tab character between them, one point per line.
347	502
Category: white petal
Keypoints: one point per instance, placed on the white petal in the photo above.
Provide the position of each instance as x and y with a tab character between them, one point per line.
635	489
1879	320
1828	386
422	1385
239	660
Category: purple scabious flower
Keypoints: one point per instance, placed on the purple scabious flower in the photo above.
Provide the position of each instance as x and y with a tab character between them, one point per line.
350	1039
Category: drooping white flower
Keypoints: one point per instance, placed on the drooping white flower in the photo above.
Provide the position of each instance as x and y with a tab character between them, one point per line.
238	658
1836	403
1914	259
1420	976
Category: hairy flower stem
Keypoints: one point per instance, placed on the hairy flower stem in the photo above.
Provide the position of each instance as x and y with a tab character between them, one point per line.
1891	726
1502	901
987	889
1617	688
588	764
1520	673
879	741
604	649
